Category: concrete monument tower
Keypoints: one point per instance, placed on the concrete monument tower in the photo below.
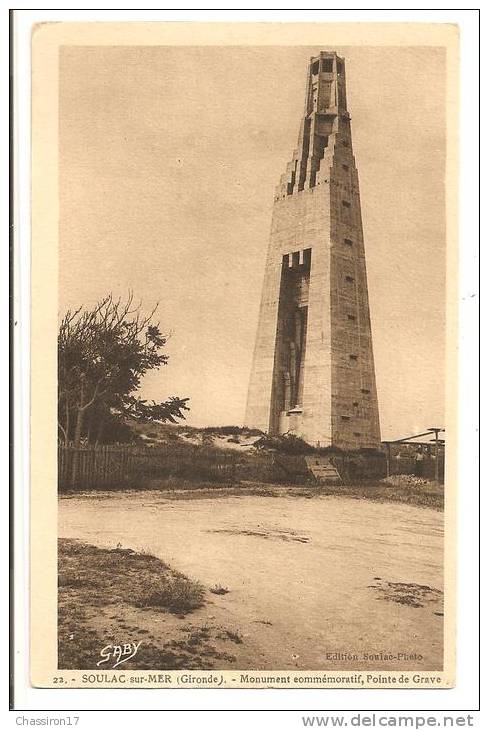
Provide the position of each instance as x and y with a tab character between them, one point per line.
313	369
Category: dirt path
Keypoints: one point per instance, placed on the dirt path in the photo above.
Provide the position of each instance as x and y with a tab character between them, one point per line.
310	580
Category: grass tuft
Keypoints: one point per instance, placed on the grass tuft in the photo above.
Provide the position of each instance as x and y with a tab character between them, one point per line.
179	595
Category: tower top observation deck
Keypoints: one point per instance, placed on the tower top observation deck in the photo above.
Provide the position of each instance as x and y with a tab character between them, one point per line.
325	118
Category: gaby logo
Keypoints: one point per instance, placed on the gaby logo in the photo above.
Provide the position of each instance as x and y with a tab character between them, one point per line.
119	652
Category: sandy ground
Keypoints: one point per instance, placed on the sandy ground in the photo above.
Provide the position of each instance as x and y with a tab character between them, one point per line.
310	580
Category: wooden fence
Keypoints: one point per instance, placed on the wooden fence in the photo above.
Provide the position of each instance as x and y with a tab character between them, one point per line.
125	465
101	466
139	467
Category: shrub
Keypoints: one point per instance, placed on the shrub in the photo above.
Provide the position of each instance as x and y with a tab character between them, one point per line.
232	430
177	594
287	444
330	450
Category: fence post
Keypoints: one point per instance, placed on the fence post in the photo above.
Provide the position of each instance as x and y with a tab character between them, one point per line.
436	458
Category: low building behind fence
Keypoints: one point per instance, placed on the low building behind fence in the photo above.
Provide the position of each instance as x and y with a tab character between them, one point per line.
415	458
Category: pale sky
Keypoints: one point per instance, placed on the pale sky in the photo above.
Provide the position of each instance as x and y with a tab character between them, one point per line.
169	159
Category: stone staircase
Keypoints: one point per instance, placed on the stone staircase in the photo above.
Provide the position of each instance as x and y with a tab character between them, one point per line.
323	471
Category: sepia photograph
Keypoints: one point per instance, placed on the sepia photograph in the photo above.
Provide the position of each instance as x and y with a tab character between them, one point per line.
252	441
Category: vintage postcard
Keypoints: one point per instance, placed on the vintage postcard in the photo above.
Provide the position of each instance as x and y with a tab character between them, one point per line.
244	381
